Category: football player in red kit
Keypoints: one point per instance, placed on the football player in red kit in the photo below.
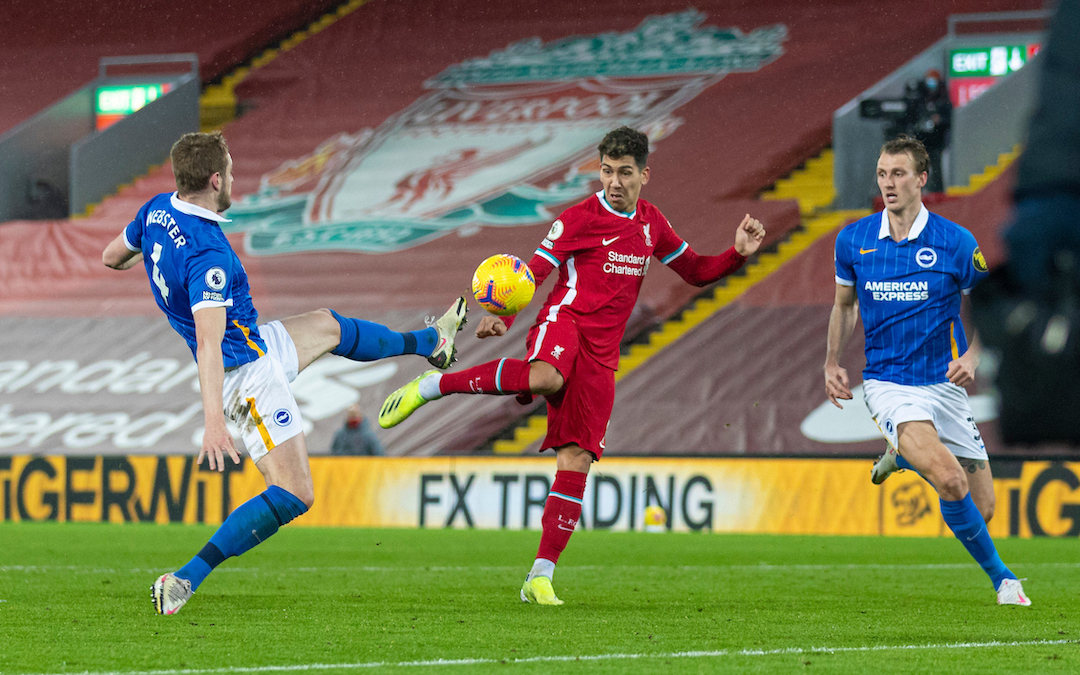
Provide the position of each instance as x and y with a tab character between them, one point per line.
601	249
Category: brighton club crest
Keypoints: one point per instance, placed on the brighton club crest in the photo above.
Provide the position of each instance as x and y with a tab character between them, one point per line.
499	141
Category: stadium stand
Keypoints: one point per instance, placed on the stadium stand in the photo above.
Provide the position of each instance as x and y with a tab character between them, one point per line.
734	138
46	53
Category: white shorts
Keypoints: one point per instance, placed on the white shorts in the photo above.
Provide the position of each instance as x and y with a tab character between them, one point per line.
945	405
257	396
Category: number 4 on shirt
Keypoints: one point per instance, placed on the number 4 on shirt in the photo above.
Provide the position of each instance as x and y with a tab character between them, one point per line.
159	280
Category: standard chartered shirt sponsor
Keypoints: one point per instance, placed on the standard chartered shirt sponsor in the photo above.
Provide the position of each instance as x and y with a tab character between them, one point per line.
625	263
899	291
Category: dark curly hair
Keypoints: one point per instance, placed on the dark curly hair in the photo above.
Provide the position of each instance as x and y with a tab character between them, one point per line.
626	141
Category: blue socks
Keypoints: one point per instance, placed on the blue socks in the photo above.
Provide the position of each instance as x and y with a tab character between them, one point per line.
964	519
903	463
367	341
245	528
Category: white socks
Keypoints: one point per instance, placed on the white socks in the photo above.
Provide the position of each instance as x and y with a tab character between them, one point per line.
541	568
429	387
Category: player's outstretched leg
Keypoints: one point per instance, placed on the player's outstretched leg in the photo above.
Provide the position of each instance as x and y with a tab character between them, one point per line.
367	341
504	376
325	331
249	525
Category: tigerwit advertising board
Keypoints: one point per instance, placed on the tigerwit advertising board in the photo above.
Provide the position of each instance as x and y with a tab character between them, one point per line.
776	496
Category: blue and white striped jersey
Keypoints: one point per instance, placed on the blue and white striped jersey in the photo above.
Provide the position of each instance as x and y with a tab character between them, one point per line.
191	266
909	293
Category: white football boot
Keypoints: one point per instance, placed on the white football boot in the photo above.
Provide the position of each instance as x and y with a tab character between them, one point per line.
1011	592
447	327
169	593
884	466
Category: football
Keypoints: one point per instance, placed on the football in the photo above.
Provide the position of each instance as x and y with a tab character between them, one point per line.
503	284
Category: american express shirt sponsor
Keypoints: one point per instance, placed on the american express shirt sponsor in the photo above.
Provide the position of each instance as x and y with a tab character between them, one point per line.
909	293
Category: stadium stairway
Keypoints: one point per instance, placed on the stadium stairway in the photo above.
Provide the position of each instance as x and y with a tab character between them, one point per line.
989	174
218	103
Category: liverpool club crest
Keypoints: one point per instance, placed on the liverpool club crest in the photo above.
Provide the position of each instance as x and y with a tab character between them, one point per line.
501	140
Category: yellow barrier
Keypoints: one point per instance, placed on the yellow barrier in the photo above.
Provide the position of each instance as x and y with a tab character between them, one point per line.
778	496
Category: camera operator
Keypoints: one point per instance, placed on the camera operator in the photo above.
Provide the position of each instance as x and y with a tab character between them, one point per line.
929	118
924	113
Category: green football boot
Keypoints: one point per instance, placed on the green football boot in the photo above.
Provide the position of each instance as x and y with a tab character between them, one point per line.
402	403
539	590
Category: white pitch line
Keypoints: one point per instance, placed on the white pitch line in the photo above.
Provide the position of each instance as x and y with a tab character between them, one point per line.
763	567
561	659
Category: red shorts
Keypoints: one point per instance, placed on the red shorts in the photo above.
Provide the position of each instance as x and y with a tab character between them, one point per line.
578	414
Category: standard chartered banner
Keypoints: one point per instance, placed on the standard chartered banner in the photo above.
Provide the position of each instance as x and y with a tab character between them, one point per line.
781	496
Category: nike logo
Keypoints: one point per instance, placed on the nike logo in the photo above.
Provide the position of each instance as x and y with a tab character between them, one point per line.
565	529
609	241
972	537
864	251
442	341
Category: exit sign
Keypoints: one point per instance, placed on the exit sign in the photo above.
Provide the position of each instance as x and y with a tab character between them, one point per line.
989	61
973	70
114	102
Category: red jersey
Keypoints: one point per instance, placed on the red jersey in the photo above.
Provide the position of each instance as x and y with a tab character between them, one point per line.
602	256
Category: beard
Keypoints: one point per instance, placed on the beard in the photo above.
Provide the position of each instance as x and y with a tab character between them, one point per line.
224	201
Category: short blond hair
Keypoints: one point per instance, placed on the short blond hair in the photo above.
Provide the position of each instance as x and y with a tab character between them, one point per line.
913	147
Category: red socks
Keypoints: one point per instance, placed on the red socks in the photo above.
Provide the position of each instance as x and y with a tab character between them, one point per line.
561	513
505	376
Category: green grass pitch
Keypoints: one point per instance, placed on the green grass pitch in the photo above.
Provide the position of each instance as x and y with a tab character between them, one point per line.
75	598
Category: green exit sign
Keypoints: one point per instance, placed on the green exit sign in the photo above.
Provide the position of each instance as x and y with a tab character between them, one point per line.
989	61
126	99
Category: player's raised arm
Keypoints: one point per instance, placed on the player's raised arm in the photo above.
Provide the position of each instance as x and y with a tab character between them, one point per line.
702	270
119	256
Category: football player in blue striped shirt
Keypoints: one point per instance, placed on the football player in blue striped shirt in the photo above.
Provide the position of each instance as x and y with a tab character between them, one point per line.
244	368
904	271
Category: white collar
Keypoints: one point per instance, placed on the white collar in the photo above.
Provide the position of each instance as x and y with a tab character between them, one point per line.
916	228
195	210
609	207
